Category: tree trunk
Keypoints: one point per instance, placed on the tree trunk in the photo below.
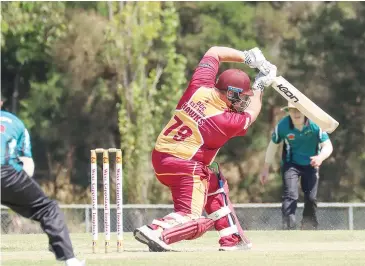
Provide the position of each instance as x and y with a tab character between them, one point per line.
15	95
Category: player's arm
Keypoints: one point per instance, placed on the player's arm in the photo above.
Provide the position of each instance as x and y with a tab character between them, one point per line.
261	81
255	106
226	54
207	69
269	159
276	138
25	152
270	154
325	151
253	58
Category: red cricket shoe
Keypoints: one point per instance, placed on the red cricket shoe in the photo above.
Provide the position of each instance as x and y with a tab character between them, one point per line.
232	243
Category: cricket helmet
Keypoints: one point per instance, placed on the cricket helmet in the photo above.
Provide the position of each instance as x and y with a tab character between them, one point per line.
237	84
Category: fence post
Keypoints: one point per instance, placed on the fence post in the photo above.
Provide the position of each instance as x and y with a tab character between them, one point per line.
87	219
351	218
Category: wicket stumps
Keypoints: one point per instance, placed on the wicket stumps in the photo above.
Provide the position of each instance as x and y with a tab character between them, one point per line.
106	191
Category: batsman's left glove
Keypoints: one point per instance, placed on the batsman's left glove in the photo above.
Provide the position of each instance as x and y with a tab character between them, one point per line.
263	80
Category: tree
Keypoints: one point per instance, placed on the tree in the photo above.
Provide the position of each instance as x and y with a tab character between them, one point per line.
328	63
151	81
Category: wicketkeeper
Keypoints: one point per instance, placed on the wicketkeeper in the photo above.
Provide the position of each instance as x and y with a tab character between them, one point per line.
21	193
305	147
210	112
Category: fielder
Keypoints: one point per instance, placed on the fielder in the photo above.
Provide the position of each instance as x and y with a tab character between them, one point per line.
305	148
23	195
210	112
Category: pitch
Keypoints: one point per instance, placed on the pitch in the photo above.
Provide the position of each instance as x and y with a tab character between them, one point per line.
269	248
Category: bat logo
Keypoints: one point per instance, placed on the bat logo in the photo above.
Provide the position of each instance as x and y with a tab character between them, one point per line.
288	93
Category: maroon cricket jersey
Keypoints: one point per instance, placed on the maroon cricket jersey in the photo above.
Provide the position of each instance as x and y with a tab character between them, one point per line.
202	123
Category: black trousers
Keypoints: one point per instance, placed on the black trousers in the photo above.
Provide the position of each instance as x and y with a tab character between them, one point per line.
23	195
309	184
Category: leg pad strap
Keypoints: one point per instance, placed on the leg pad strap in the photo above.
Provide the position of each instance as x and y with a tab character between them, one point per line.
228	231
187	231
223	211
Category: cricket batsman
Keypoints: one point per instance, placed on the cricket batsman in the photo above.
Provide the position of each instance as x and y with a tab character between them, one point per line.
210	112
305	147
21	193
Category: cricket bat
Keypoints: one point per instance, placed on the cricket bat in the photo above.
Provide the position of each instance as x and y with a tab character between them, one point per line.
305	105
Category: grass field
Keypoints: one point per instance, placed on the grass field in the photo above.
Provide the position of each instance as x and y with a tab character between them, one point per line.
269	248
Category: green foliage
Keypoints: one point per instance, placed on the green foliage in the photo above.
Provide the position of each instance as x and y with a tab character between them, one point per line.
31	27
109	74
207	24
145	104
42	105
329	61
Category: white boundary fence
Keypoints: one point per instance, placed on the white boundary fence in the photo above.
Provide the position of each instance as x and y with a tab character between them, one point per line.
261	216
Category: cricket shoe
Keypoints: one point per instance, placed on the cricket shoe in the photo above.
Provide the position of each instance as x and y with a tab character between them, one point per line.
75	262
239	246
151	238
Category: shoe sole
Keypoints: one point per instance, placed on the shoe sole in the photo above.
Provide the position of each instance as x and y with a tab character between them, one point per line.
247	247
152	245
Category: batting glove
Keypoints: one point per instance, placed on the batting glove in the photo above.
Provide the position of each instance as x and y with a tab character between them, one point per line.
254	58
264	80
